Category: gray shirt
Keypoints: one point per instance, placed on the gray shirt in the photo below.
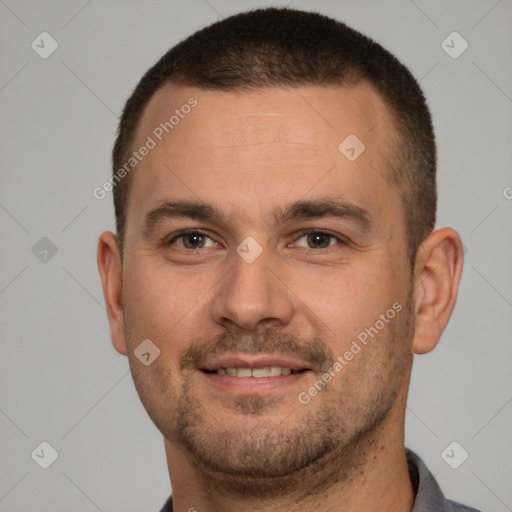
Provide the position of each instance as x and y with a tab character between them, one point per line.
429	497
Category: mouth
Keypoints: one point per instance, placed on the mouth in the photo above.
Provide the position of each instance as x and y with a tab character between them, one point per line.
249	376
258	373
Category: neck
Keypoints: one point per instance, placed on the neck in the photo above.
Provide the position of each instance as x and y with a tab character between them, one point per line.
373	476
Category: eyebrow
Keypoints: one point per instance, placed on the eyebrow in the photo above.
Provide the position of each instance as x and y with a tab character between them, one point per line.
297	211
180	209
324	208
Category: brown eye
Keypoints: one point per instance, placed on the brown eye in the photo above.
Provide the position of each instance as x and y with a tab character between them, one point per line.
319	240
191	240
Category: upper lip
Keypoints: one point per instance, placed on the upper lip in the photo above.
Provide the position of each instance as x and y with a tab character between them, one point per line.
256	361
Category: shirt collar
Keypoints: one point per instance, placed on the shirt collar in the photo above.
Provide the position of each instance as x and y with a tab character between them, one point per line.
429	496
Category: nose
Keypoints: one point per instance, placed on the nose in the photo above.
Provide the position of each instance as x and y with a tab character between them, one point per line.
252	296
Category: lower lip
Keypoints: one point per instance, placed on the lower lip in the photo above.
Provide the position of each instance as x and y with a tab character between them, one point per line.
252	385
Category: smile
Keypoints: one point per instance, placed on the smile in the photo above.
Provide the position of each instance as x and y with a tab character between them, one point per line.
266	371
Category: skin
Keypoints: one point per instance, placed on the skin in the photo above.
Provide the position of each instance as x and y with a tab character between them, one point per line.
234	445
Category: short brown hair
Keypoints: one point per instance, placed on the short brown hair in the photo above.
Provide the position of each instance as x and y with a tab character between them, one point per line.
290	48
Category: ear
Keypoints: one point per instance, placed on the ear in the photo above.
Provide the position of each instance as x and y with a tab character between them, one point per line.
110	268
437	275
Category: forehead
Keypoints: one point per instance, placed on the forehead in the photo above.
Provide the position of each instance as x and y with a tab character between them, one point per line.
233	117
216	145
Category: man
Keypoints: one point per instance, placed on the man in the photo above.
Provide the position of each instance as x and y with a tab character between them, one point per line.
276	266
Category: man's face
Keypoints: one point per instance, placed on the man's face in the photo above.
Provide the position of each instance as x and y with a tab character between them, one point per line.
296	251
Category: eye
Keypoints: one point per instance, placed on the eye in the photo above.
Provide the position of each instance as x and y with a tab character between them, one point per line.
191	240
317	240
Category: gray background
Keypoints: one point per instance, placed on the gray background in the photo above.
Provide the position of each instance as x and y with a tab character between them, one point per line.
61	380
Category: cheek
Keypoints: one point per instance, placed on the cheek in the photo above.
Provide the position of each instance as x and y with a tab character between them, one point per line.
158	300
153	301
349	299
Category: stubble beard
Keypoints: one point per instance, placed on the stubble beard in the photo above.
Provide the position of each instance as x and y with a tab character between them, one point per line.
322	443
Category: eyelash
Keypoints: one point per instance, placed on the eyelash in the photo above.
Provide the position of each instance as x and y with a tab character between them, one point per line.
184	232
341	241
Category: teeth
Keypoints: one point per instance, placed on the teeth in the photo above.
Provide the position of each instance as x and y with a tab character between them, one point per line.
275	371
267	371
260	372
243	372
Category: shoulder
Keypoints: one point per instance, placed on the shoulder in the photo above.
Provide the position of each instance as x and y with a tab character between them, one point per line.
429	497
452	506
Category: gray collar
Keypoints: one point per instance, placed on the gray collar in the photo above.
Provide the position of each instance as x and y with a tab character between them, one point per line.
429	497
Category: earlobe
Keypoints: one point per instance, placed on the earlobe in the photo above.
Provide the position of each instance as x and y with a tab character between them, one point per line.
438	270
110	269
